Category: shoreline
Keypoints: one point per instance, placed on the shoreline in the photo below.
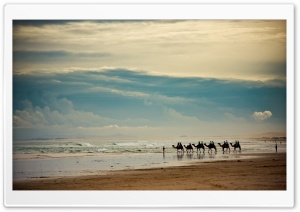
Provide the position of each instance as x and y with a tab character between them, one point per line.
45	167
266	171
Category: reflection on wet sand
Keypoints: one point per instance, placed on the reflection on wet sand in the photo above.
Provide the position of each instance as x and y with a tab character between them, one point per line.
200	156
181	156
211	156
189	156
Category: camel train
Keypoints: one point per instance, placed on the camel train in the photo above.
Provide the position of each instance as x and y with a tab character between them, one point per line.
200	146
211	146
225	146
236	145
189	148
179	147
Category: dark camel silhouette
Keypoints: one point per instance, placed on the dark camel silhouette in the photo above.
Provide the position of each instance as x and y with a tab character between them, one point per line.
200	146
236	145
189	148
179	147
225	146
211	146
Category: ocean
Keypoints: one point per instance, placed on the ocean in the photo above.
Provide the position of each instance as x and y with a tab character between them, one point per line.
42	158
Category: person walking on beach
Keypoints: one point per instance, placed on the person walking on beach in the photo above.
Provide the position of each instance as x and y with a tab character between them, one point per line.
164	149
276	147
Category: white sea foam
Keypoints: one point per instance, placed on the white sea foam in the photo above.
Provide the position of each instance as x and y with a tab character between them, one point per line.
127	145
84	144
101	150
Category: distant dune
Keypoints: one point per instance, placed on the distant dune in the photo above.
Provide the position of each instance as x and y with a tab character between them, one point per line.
271	134
259	135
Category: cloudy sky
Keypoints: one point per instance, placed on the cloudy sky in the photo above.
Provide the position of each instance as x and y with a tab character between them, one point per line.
148	78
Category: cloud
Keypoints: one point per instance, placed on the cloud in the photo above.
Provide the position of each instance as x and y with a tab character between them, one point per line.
57	55
245	49
261	116
120	92
177	118
60	113
233	117
41	22
121	100
112	126
132	94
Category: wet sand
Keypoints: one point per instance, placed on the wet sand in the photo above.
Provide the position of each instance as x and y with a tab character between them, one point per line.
266	172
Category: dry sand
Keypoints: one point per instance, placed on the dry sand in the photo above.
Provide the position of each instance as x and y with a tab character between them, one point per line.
267	172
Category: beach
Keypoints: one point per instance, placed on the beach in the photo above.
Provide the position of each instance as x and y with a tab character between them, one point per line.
261	171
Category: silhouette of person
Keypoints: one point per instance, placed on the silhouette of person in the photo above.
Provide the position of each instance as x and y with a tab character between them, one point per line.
164	149
276	147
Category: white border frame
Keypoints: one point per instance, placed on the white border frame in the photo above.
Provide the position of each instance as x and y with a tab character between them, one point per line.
146	198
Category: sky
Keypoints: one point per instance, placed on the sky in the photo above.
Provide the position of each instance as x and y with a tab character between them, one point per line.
148	78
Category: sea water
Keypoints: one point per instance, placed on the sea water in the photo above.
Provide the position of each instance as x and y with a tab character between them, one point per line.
82	156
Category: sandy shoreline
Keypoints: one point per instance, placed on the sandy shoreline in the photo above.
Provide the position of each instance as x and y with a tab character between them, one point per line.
266	172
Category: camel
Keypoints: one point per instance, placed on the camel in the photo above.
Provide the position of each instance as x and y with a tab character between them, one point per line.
200	146
225	146
236	145
179	147
189	148
211	146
